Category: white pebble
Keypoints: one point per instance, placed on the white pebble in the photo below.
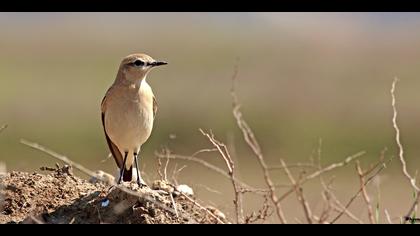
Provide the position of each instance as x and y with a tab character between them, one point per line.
185	189
105	203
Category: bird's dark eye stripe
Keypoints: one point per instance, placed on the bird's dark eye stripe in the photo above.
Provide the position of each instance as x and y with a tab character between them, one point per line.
137	63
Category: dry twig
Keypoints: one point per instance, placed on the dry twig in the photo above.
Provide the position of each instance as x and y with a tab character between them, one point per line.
335	166
223	151
388	217
262	214
398	139
340	208
159	169
381	167
364	192
299	193
174	205
166	154
411	179
165	170
296	165
204	150
250	139
332	201
323	171
176	173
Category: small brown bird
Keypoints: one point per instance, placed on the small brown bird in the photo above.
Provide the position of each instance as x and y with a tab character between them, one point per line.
128	111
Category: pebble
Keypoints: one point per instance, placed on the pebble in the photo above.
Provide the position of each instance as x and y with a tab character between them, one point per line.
185	189
105	203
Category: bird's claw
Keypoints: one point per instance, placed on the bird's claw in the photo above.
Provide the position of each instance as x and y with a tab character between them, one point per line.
142	185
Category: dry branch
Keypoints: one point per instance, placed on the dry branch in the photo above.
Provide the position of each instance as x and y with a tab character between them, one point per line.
398	139
388	217
326	208
174	205
299	193
327	194
332	200
166	154
250	139
340	208
58	156
364	192
296	165
323	171
159	169
223	151
262	214
381	167
165	170
335	166
411	179
176	173
204	150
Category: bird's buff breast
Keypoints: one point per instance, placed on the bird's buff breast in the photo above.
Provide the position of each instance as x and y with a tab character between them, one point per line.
129	122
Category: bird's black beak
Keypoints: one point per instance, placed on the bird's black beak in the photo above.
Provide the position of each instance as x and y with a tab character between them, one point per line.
158	63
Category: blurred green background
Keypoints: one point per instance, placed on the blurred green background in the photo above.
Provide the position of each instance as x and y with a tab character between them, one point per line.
302	77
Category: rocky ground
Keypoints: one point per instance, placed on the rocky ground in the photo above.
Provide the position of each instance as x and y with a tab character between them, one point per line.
60	197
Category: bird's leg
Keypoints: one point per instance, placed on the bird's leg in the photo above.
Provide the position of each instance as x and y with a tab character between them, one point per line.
122	168
139	180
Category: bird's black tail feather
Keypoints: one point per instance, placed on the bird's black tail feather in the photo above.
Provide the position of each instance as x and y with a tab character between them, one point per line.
128	174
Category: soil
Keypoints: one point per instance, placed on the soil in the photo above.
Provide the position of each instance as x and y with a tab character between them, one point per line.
60	197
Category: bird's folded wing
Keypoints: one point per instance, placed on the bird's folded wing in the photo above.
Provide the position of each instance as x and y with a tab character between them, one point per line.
112	147
154	107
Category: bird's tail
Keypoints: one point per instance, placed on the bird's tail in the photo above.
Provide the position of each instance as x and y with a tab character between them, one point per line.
128	174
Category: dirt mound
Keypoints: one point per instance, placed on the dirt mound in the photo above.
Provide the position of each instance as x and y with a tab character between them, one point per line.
60	197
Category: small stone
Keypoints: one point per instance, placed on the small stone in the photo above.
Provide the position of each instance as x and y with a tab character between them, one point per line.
185	189
105	203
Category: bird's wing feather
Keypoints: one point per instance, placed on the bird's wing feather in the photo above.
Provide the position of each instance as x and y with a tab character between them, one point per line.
112	147
155	106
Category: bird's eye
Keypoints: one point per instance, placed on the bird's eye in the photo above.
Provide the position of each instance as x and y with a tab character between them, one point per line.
138	63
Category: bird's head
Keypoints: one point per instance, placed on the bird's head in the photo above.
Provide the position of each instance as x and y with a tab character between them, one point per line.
135	67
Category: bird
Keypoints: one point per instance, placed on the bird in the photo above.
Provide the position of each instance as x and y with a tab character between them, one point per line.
128	111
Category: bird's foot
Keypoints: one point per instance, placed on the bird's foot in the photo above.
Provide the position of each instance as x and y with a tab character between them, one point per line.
142	184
